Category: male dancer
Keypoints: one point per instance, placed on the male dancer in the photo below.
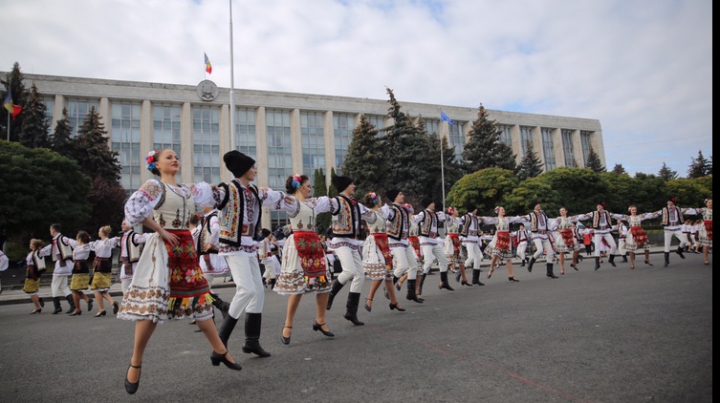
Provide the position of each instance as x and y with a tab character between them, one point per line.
469	232
346	243
398	227
602	226
212	265
672	219
522	236
428	220
62	256
129	253
539	226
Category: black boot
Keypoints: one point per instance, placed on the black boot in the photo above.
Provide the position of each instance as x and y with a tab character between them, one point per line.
611	260
522	263
530	264
58	308
550	271
444	281
476	277
226	328
667	259
252	335
625	260
353	302
680	252
411	296
422	282
336	287
597	263
221	305
70	301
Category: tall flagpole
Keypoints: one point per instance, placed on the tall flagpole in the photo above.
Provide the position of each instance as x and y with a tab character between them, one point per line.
442	171
232	85
9	113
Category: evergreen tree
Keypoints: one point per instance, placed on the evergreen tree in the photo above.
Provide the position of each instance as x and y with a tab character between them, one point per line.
14	83
484	148
593	161
61	141
432	178
364	162
530	166
92	151
619	169
666	173
700	167
322	220
34	127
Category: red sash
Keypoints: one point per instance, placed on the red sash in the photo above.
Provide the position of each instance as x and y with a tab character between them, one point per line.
310	251
708	229
381	240
186	277
415	243
503	241
639	236
567	237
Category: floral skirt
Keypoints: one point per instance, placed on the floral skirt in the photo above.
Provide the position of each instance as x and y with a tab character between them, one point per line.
415	243
100	282
297	256
31	286
565	241
167	283
705	233
452	249
636	239
376	258
500	245
79	282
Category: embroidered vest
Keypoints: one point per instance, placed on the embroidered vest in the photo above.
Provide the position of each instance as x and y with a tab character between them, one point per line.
469	218
64	249
666	216
205	234
174	207
564	222
535	216
38	261
132	249
344	219
596	219
232	214
429	218
396	226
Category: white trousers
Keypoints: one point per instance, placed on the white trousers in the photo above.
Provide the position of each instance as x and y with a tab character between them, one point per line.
125	284
404	261
543	244
351	268
249	294
597	240
60	287
669	234
436	250
475	255
522	246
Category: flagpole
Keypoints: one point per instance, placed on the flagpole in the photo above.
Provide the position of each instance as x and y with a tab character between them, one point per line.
9	113
442	172
232	85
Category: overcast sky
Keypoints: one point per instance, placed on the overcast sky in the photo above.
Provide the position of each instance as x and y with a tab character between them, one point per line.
643	68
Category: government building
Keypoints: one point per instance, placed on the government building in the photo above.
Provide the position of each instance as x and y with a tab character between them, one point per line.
284	132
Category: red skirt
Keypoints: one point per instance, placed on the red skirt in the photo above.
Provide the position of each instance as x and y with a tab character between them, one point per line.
639	236
186	277
568	237
310	251
708	229
415	242
381	240
503	241
455	239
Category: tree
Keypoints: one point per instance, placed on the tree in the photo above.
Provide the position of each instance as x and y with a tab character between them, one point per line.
365	160
648	193
484	148
690	192
14	83
666	173
322	220
593	161
34	127
92	151
699	167
530	166
618	169
485	189
40	187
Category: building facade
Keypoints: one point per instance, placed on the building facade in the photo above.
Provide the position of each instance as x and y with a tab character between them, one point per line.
284	132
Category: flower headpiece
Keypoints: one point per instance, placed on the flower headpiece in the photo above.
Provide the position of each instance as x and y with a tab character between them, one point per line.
450	211
374	197
296	181
497	209
150	161
408	207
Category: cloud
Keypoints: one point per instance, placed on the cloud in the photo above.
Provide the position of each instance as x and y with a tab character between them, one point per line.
645	71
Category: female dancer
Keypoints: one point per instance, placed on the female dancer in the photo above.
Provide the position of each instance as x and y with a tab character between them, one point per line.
705	232
499	247
102	267
636	238
453	247
35	268
376	256
304	265
565	240
414	241
168	275
81	271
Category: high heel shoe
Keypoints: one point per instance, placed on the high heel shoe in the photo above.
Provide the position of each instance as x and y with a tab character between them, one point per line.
90	304
217	358
36	311
574	267
466	283
76	313
286	340
116	307
512	280
368	307
647	262
132	387
398	286
317	326
99	314
396	306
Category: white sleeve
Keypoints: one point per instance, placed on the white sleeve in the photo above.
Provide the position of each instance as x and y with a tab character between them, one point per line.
4	262
215	231
142	202
325	204
271	198
419	216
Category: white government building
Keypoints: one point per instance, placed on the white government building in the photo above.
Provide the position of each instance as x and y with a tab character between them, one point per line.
284	132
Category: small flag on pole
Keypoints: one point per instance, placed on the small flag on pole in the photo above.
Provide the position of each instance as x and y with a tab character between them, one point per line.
12	109
445	118
208	66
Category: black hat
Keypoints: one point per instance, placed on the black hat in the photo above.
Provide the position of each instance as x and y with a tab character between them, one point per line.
392	194
341	182
237	162
470	207
427	201
534	203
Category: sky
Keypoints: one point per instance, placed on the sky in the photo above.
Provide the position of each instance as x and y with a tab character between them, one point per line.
642	68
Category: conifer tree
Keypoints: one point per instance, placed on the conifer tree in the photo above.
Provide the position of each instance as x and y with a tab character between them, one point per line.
14	83
364	162
61	141
34	127
530	166
699	167
666	173
618	169
593	161
484	149
322	220
92	151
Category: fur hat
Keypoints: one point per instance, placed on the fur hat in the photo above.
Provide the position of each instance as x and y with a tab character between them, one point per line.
427	201
534	203
392	194
470	207
341	182
237	162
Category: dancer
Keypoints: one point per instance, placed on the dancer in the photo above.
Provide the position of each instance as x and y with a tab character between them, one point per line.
522	243
304	265
81	271
469	231
453	246
622	238
102	268
398	230
346	243
130	251
61	253
705	232
4	264
35	268
636	238
601	225
268	251
376	256
672	219
565	239
499	247
168	276
213	265
428	221
539	226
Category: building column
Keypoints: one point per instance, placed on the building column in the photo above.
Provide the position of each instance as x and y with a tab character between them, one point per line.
516	140
261	141
558	152
105	115
58	107
598	146
186	143
147	139
538	145
329	130
578	149
224	141
296	140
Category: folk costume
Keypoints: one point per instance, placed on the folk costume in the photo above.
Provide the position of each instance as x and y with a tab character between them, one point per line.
398	228
268	253
82	266
130	251
469	230
540	227
453	248
102	266
35	263
705	230
672	220
377	259
4	264
601	223
432	247
500	245
61	253
523	237
212	264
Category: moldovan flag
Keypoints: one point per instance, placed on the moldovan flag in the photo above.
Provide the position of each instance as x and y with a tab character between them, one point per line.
12	109
208	66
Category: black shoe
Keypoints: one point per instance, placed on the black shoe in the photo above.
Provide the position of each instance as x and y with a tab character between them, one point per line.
368	307
466	283
36	311
667	259
217	358
396	306
254	347
285	340
253	324
42	303
90	304
522	263
352	307
611	260
387	296
444	282
457	276
512	280
597	263
103	313
530	264
132	387
56	303
336	286
76	313
116	307
318	327
679	251
551	275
